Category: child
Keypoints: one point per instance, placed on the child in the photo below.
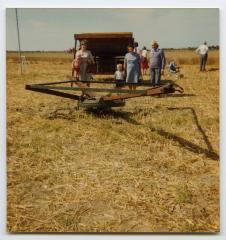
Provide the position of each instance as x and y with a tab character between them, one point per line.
119	76
76	66
144	61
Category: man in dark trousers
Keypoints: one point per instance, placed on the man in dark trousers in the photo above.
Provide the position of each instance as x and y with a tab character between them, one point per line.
202	50
157	63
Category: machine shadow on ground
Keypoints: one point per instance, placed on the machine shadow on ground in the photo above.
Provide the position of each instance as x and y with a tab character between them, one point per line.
188	145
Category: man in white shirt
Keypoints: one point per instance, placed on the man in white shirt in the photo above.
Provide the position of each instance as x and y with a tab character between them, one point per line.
203	52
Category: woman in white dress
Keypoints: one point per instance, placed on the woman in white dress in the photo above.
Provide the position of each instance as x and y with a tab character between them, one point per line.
86	60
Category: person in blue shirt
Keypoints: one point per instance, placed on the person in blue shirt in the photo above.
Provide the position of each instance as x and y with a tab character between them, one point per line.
157	63
132	67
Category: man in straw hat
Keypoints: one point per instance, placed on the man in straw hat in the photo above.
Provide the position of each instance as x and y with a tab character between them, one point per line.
157	63
202	50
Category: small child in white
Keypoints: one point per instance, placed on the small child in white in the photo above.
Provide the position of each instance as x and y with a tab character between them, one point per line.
119	76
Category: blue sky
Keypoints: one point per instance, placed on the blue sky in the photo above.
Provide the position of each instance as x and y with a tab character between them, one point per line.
53	29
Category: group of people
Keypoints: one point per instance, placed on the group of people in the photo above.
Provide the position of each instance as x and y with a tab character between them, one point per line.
136	63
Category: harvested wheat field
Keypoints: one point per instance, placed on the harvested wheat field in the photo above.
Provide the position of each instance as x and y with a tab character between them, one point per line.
151	166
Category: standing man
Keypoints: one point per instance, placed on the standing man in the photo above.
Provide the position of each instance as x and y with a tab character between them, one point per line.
157	63
202	50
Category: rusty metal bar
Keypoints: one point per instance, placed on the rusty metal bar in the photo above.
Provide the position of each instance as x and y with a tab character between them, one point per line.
148	92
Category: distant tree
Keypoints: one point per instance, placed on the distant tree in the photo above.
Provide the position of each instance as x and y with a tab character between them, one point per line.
214	47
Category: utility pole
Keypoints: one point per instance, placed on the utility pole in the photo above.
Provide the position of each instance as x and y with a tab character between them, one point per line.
18	36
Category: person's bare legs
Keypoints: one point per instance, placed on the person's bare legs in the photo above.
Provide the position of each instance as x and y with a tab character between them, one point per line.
142	71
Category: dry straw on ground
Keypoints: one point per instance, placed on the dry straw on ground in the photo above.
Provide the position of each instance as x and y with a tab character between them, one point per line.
152	166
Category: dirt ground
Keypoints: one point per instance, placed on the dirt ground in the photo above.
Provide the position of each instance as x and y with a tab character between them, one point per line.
151	166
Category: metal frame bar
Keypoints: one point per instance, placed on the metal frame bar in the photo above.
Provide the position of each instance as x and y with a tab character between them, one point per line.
104	81
86	89
124	93
52	92
88	92
148	92
107	81
53	83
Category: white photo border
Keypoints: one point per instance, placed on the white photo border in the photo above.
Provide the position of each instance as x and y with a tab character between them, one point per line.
221	4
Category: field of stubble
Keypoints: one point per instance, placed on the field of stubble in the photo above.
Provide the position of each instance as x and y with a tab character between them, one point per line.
151	166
